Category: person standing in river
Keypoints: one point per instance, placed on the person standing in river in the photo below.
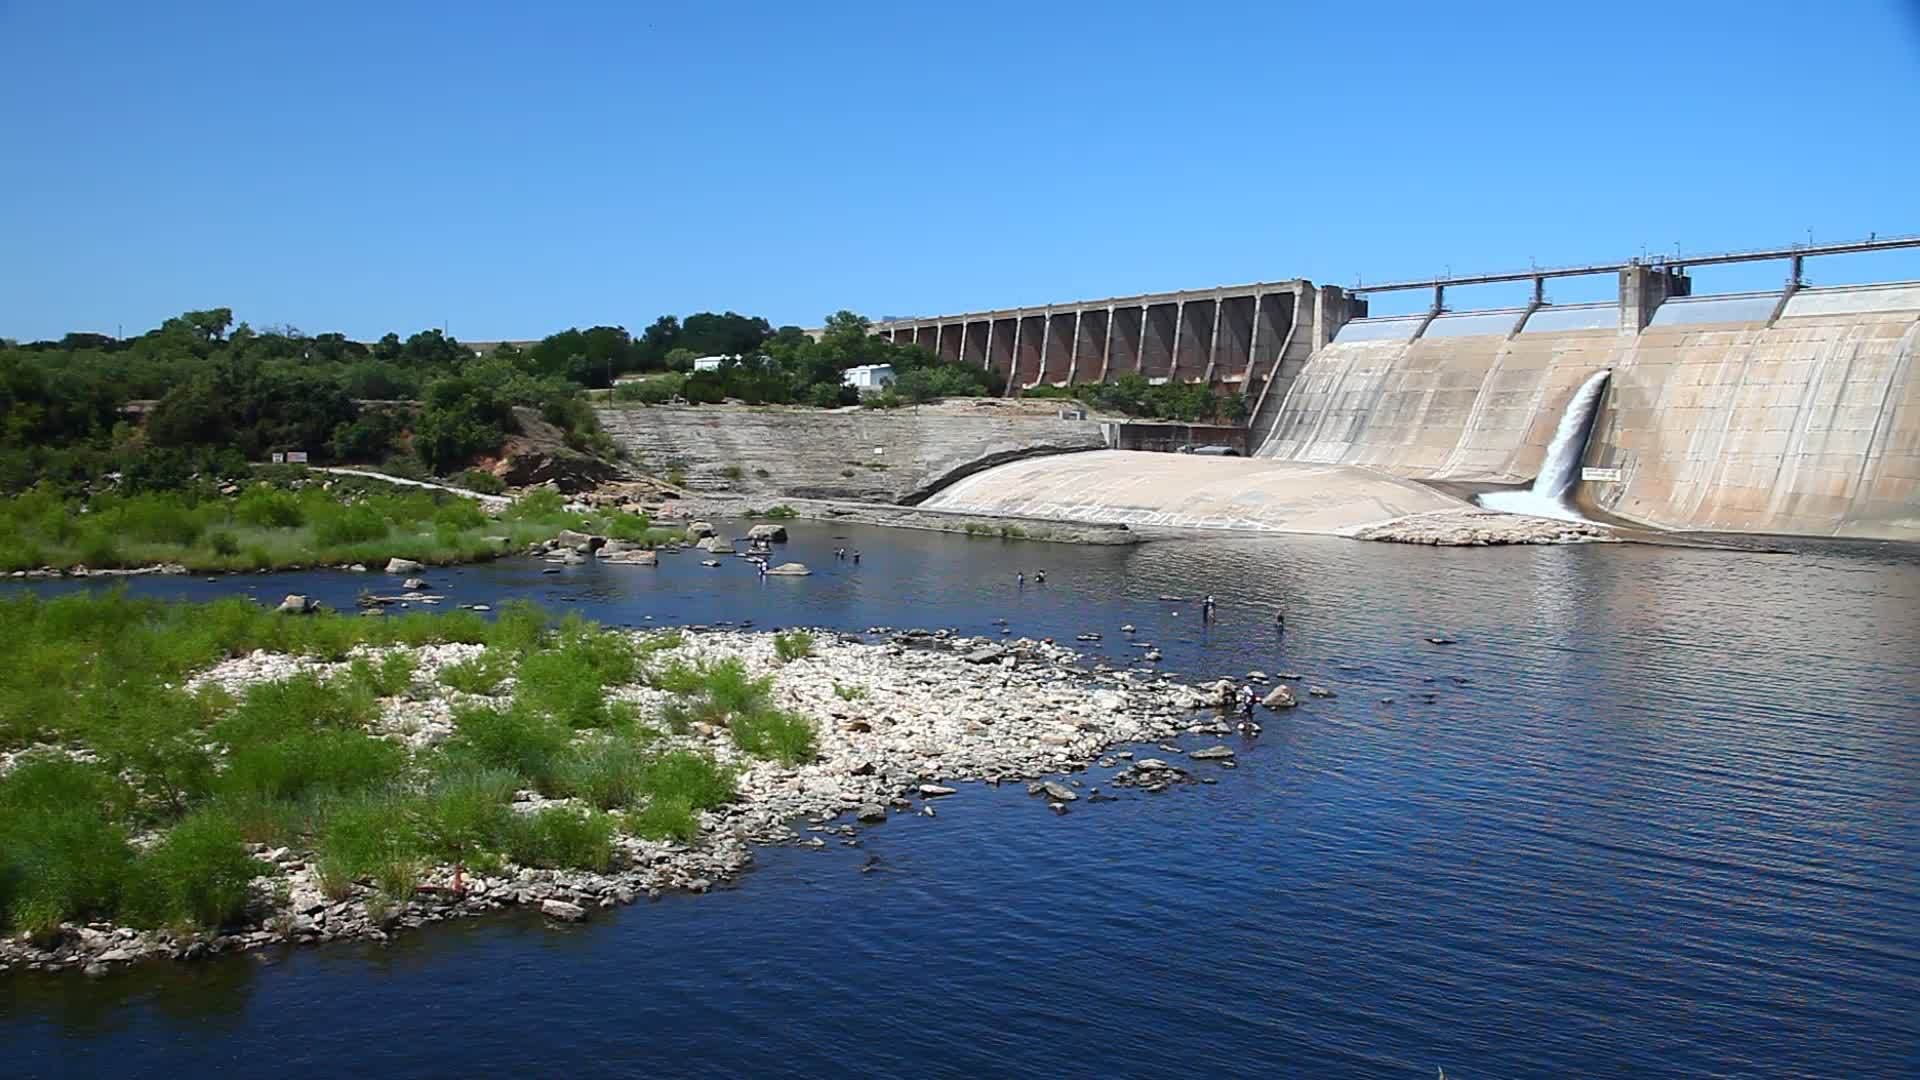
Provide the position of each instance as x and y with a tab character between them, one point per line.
856	556
1206	609
1039	577
1020	580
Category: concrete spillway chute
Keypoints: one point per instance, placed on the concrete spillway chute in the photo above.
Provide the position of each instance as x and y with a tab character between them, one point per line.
1548	495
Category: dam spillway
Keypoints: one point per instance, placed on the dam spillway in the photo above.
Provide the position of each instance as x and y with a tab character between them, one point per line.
1747	413
1547	495
1791	411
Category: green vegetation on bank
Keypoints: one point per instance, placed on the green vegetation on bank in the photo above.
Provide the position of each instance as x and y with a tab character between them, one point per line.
1134	395
268	526
201	396
111	746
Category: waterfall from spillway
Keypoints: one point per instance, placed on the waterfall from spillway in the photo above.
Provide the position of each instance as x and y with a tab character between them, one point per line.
1547	497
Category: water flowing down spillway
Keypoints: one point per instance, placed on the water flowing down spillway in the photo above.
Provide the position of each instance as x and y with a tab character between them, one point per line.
1547	496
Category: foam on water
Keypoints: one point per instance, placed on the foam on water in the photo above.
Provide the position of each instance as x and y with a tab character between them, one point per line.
1547	496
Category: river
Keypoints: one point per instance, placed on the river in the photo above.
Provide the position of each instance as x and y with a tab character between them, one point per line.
1656	813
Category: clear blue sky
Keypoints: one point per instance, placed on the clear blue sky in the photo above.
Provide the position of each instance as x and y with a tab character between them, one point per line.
515	169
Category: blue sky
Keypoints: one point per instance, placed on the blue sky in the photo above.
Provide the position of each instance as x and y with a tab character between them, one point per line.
511	170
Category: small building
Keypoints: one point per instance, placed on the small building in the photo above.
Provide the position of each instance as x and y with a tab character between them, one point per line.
710	363
868	378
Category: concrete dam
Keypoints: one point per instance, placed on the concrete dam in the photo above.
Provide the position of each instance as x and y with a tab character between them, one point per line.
1790	411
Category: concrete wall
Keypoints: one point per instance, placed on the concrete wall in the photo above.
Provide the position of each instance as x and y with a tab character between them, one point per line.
868	455
1769	413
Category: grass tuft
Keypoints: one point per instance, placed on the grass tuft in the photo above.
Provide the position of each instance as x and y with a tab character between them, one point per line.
777	735
561	838
792	645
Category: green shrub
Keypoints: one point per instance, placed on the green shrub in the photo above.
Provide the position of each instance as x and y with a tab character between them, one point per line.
391	675
306	763
665	819
561	838
266	507
777	735
693	778
356	524
659	641
263	819
607	773
791	645
465	811
459	514
518	627
198	873
563	686
372	836
303	702
782	511
610	654
541	502
98	550
513	738
46	781
60	863
849	693
157	738
481	674
481	481
632	527
224	543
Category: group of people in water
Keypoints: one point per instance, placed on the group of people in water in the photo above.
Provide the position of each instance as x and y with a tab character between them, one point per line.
1020	578
843	553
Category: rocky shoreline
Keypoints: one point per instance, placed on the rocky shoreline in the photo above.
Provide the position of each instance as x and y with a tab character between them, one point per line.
1483	528
899	715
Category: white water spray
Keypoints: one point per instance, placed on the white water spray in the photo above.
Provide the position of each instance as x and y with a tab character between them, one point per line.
1547	497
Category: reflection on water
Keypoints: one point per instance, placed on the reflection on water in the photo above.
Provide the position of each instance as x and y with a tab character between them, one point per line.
1656	813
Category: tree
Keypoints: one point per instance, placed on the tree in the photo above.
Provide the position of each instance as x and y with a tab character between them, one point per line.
725	334
460	418
655	342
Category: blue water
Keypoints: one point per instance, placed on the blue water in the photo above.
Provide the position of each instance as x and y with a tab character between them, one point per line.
1661	818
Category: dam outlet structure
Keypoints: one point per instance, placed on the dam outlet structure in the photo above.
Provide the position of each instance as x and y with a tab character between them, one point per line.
1547	495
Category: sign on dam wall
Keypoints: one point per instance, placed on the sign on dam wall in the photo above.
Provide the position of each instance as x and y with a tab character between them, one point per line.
1784	413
